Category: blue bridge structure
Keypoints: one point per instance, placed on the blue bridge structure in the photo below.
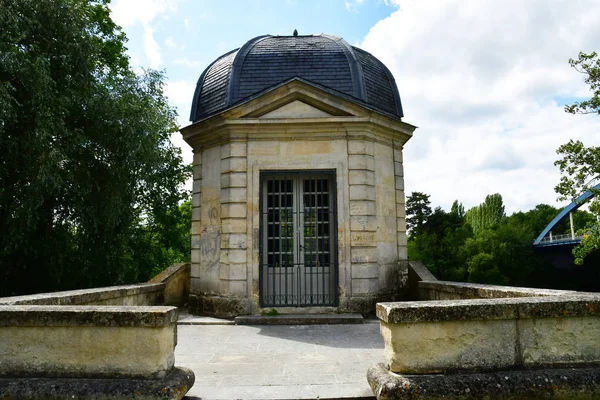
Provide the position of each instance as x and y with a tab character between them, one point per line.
546	238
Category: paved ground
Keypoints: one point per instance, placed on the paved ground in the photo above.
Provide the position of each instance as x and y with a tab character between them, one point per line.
279	362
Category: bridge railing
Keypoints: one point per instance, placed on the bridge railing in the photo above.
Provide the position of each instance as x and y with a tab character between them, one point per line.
560	238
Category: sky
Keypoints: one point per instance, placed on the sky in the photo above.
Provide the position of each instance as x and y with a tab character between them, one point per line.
485	81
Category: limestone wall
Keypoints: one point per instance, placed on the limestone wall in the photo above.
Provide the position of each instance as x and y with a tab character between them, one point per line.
491	334
143	294
371	254
87	341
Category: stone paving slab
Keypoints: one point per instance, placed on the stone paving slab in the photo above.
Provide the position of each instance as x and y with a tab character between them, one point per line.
299	319
186	319
280	361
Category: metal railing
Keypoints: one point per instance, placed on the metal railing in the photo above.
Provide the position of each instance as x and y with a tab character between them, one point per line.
567	237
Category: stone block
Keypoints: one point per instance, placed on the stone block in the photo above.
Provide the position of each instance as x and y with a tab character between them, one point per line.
77	341
234	164
402	237
365	271
438	347
195	241
230	272
197	172
196	283
233	210
196	228
398	169
400	199
401	224
195	270
559	341
402	253
400	210
263	148
234	149
195	213
233	179
233	241
361	162
238	288
174	386
361	239
234	256
234	195
362	192
233	225
196	200
364	254
363	223
366	286
360	147
399	183
197	158
398	157
361	177
197	186
549	383
196	256
363	207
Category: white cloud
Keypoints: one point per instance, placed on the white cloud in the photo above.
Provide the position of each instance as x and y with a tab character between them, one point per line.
180	94
352	5
128	13
481	79
170	42
186	62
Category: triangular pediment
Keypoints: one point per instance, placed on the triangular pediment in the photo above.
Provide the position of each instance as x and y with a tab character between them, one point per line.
296	109
296	99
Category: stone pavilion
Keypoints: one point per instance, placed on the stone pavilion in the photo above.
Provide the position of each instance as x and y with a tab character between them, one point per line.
298	199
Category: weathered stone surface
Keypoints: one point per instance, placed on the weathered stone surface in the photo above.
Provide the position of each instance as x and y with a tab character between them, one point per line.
564	384
436	347
222	306
177	281
299	319
439	290
87	341
127	295
109	316
437	311
174	386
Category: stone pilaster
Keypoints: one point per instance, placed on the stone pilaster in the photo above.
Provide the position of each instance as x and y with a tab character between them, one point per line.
233	242
363	218
196	228
400	210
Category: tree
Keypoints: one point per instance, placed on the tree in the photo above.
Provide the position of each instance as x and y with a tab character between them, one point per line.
457	209
85	144
588	65
417	211
580	165
487	214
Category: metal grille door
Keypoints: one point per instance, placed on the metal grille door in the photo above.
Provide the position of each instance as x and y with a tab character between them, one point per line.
298	218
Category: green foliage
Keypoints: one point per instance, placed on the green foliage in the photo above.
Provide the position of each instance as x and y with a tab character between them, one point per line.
589	65
87	162
580	165
417	211
457	209
499	251
487	214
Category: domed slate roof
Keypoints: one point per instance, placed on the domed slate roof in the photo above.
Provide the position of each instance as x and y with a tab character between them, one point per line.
266	61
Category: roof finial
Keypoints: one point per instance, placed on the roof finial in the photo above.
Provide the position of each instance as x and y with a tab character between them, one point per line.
295	32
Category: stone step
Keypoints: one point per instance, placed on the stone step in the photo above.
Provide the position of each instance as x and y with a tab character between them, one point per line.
299	319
